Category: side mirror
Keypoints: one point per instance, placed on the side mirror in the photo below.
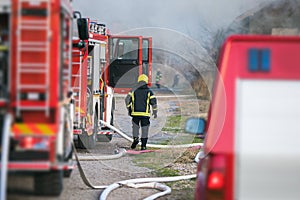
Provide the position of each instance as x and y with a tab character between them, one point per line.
83	28
81	44
195	126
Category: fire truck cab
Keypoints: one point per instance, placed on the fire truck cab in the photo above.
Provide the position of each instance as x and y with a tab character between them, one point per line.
251	148
36	126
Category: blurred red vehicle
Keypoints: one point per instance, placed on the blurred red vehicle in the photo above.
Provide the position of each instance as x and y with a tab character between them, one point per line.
251	148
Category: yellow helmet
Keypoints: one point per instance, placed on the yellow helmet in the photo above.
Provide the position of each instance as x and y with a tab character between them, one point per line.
143	77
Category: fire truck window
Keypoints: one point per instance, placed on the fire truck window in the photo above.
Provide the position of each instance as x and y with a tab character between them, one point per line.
75	32
145	50
126	48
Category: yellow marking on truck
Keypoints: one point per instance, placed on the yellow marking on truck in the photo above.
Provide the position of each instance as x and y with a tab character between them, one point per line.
30	129
22	128
45	129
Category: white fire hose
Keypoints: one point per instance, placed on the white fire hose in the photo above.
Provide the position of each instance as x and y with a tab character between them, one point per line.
164	188
4	155
146	183
121	152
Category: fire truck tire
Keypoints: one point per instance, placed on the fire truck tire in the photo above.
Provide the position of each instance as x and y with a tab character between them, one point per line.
87	142
112	118
104	138
112	111
67	173
48	183
78	143
109	137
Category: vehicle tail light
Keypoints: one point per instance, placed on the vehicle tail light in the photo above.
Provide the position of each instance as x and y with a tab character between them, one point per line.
211	178
27	143
34	143
215	181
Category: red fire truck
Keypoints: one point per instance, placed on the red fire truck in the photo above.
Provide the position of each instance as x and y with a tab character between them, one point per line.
35	39
93	99
251	148
42	65
103	64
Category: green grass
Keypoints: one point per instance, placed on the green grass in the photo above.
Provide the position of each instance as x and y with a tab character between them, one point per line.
173	121
165	172
155	160
170	129
197	140
174	124
185	191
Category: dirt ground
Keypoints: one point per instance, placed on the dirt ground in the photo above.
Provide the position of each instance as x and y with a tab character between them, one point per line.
158	163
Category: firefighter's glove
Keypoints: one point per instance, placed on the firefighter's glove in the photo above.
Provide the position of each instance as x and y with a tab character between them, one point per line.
155	114
129	111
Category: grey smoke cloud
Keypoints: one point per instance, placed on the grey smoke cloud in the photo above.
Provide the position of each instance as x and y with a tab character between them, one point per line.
180	29
190	17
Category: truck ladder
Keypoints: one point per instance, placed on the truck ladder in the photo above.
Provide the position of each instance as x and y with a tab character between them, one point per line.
67	57
34	46
77	83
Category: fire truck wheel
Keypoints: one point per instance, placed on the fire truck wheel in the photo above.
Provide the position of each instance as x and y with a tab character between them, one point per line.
112	111
112	119
48	183
104	138
87	142
67	173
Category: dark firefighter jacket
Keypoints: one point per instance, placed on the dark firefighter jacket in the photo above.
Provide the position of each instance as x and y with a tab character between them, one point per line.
138	101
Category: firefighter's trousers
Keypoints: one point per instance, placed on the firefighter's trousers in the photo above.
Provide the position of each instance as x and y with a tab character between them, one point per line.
144	122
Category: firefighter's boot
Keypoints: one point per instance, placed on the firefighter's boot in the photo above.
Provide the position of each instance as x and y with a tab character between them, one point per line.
144	143
135	142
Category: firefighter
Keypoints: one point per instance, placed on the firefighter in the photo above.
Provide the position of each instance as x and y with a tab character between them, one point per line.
158	78
138	103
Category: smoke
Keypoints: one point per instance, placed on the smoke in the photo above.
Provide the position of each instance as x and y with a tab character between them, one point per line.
182	31
193	17
198	19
